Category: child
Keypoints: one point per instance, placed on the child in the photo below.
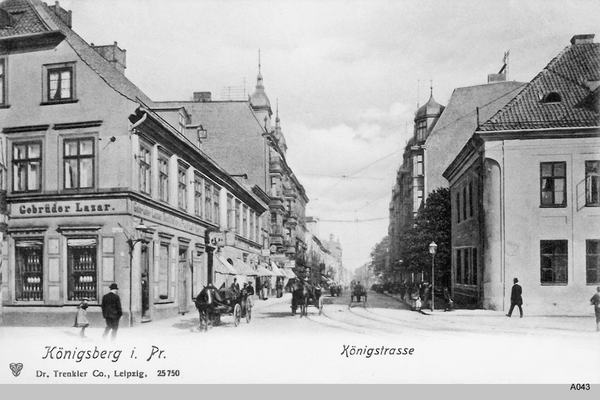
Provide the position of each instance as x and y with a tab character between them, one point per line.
81	320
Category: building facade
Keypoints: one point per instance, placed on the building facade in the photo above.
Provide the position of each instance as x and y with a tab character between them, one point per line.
100	187
525	193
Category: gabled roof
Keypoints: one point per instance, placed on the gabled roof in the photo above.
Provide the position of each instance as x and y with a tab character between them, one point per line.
571	78
34	17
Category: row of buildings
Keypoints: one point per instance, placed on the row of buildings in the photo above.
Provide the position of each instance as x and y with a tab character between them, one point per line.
522	163
102	184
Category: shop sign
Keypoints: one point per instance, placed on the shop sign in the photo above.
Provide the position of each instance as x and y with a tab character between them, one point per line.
63	207
216	239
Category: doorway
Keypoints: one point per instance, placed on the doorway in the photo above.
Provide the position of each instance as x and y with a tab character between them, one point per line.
183	281
145	267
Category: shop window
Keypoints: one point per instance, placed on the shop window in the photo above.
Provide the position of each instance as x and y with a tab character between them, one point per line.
554	261
182	188
145	168
163	272
553	184
78	163
27	167
163	178
198	198
29	285
592	183
592	261
82	269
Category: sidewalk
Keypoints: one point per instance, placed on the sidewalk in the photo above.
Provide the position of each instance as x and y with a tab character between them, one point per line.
498	319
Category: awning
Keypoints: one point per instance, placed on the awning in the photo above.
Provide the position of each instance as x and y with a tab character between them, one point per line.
221	266
277	271
327	279
290	274
262	271
244	268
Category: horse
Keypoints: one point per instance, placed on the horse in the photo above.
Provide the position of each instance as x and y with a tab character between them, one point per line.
208	302
310	293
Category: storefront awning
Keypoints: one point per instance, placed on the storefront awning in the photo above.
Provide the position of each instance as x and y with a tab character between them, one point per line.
262	271
221	266
290	274
244	268
277	271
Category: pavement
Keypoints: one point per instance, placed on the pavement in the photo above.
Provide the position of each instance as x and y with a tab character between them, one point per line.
498	319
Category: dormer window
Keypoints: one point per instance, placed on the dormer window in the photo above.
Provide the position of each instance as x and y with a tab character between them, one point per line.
552	97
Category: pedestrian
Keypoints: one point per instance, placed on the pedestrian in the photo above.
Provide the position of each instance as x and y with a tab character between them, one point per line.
235	287
515	298
448	303
595	300
81	320
111	311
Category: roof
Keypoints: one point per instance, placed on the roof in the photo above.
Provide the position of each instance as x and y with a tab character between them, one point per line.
572	78
34	17
431	108
259	98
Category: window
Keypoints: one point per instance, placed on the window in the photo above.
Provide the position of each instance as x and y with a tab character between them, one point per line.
163	178
60	84
208	201
592	261
238	221
216	209
471	199
81	269
27	167
421	130
458	206
252	224
29	269
163	272
554	261
553	184
198	198
79	163
145	162
230	212
419	165
2	82
464	203
245	221
592	183
466	266
182	187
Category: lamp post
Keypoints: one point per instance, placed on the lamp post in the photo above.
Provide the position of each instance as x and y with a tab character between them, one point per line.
432	250
132	241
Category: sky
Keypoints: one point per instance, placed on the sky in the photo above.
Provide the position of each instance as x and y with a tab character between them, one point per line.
347	75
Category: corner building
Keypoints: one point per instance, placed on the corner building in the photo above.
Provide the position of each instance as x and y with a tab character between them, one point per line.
101	188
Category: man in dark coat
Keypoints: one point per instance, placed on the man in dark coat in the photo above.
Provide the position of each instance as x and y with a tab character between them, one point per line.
111	311
595	300
515	298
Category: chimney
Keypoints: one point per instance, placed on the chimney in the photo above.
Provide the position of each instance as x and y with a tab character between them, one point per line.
492	78
114	55
64	15
583	39
202	97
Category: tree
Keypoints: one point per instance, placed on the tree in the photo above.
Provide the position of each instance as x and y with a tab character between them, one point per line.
379	256
433	223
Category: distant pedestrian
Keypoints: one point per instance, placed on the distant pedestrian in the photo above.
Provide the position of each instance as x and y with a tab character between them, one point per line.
595	300
111	311
448	303
81	320
515	298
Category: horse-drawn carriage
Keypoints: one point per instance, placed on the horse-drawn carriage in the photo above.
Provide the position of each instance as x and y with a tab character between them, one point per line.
212	304
359	292
304	295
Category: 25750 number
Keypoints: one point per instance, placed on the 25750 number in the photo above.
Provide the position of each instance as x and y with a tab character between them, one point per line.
167	372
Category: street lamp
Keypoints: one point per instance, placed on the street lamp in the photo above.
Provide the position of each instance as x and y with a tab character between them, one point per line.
432	250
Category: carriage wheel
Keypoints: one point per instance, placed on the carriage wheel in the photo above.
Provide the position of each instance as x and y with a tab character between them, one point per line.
237	314
320	305
248	313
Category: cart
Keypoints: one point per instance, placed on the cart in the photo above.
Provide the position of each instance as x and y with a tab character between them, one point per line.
212	304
